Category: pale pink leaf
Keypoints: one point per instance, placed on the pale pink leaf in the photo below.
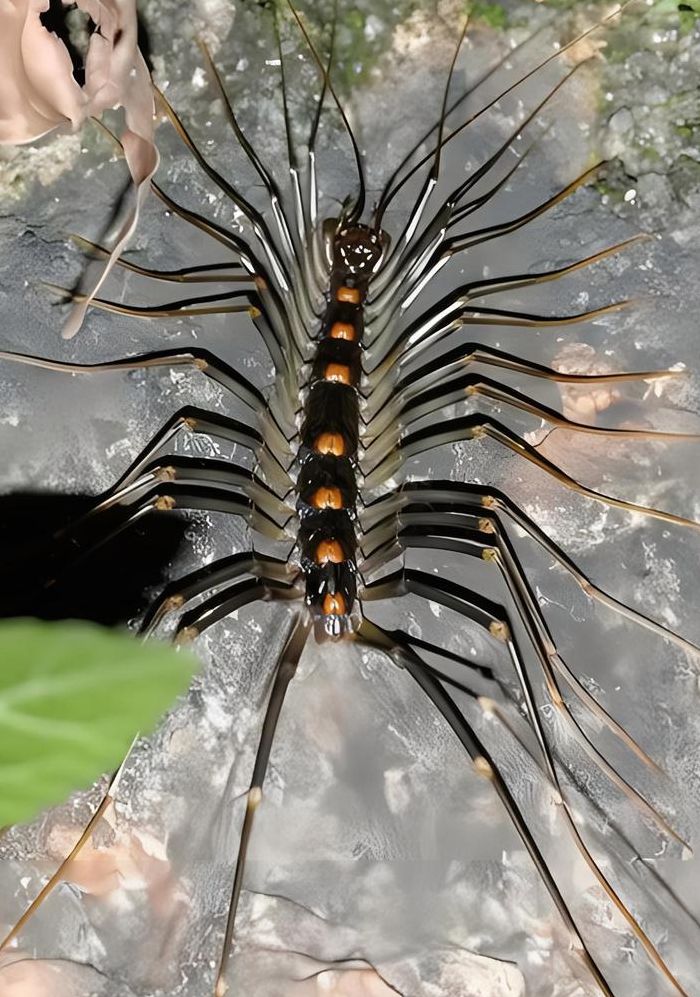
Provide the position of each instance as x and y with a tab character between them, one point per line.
38	93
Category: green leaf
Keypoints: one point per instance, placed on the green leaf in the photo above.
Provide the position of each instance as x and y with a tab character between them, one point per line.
72	697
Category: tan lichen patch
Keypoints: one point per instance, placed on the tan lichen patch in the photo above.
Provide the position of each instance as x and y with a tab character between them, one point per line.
44	163
582	403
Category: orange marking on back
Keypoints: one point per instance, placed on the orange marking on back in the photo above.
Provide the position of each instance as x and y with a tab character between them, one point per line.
327	498
329	552
337	372
334	604
349	294
330	443
342	330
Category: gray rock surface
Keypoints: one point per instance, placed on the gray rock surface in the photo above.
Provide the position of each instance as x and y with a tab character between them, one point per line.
377	844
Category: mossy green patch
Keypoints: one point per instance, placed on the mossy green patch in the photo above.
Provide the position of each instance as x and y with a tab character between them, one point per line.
493	14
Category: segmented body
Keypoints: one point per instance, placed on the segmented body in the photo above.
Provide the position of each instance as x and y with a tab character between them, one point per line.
327	486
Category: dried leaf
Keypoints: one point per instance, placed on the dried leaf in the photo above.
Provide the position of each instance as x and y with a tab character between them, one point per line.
38	93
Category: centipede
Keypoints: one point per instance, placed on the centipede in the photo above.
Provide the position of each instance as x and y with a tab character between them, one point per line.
372	451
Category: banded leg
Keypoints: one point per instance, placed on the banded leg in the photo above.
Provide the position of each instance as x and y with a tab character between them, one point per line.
229	600
409	343
203	476
281	340
476	608
448	215
383	405
398	640
355	213
429	265
485	766
224	570
471	90
487	505
258	224
205	273
59	875
476	290
469	385
197	420
137	477
402	246
165	488
460	540
477	426
290	250
396	185
284	674
280	433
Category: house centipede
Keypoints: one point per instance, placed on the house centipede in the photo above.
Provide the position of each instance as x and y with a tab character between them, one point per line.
355	384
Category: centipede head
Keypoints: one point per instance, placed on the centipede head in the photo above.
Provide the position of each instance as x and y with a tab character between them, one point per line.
354	250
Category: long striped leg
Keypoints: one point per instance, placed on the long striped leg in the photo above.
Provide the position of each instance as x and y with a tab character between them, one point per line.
402	247
163	492
283	334
473	543
205	273
229	600
410	342
253	216
288	247
467	603
481	531
354	215
193	357
438	253
210	304
452	304
410	281
318	266
437	398
487	505
224	570
477	426
284	674
385	403
397	639
446	217
279	322
196	420
485	766
201	476
286	285
395	185
146	474
60	874
451	108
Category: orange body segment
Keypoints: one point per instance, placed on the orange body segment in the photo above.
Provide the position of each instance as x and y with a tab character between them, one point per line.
334	604
327	498
342	330
330	551
348	294
337	372
330	443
